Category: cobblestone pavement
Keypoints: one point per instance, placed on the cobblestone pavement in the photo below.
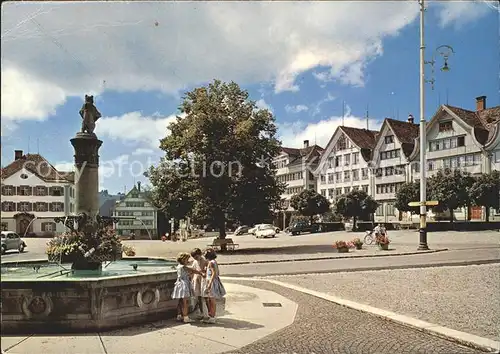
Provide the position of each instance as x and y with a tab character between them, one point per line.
323	327
462	298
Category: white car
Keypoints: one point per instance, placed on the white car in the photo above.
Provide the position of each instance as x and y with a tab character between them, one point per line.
264	231
12	241
256	227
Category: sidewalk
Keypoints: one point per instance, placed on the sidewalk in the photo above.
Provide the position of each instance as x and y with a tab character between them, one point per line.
245	320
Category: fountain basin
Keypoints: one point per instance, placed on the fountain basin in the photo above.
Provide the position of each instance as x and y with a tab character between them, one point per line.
41	297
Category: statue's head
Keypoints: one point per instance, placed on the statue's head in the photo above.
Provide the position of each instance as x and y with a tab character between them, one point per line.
89	99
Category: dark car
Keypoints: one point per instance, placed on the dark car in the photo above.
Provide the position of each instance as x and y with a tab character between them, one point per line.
241	230
301	226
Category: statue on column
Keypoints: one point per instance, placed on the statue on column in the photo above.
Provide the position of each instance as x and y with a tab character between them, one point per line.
89	114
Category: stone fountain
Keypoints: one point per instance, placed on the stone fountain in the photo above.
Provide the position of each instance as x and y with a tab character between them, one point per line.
90	287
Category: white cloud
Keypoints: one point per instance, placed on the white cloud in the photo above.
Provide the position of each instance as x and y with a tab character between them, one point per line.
296	109
262	104
294	134
317	106
459	13
119	46
134	127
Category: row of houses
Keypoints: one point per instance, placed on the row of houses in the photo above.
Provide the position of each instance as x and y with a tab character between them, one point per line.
378	162
34	192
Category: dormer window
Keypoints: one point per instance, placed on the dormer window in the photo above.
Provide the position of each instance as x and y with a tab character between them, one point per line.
445	126
389	139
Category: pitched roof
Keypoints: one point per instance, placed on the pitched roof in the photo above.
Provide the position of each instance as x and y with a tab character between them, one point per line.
363	138
40	167
406	132
307	153
483	121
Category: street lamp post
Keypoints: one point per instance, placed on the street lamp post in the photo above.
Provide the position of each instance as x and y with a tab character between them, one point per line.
445	51
423	183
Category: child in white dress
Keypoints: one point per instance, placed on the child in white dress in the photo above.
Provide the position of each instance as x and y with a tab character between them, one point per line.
212	288
183	288
200	264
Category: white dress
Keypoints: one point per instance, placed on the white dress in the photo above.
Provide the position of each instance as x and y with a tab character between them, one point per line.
196	281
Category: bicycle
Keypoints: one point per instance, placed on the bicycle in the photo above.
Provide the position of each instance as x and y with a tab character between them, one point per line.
369	237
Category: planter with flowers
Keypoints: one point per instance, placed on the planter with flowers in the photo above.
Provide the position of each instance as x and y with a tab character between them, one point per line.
357	243
128	250
383	242
341	246
85	252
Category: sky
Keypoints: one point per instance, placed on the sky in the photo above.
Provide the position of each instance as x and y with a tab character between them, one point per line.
310	63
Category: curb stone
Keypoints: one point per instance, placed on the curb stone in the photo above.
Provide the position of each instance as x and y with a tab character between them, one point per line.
469	340
332	257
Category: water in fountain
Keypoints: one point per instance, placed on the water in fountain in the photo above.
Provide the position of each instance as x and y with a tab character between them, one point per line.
40	270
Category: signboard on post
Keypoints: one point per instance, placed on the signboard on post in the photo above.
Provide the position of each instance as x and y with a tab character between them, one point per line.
428	203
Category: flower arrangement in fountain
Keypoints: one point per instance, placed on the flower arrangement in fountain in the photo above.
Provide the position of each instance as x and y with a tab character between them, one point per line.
129	250
103	245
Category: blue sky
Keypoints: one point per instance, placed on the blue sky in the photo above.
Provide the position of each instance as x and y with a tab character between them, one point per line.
299	60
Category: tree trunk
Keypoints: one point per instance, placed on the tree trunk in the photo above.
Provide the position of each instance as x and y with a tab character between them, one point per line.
451	215
221	224
354	223
487	214
311	219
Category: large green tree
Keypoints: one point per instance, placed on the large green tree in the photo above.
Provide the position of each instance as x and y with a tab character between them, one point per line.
222	145
355	204
451	189
407	193
309	203
485	191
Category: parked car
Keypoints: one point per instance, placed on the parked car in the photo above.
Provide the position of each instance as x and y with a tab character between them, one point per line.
255	228
301	226
265	230
241	230
12	241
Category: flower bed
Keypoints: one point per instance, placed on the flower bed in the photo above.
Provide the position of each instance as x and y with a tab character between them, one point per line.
341	246
383	242
357	243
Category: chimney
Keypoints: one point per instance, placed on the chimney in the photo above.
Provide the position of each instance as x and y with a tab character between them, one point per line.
306	143
139	186
18	154
411	119
480	103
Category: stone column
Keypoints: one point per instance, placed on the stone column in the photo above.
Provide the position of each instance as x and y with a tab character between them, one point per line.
86	147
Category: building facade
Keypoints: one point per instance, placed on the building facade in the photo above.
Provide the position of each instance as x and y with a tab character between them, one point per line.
136	214
345	163
462	139
379	162
33	194
391	164
295	167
